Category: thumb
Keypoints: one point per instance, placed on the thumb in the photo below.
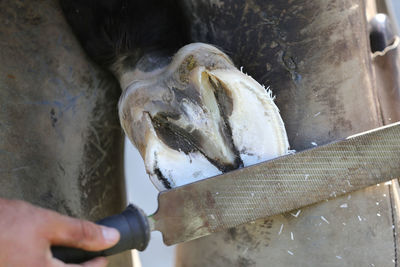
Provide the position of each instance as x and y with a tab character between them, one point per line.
66	231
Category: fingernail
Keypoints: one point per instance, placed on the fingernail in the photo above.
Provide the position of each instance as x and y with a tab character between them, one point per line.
111	235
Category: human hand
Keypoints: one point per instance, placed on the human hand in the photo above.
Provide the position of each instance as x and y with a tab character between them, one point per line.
27	233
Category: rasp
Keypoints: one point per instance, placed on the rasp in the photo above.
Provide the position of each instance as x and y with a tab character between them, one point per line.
272	187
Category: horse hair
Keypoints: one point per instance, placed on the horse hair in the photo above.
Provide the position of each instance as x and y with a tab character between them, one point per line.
111	29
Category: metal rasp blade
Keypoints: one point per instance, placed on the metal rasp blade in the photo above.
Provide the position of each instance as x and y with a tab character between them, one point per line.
278	185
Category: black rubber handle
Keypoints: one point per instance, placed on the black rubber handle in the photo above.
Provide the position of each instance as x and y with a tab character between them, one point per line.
133	226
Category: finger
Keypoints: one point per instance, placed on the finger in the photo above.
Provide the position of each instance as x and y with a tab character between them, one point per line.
66	231
57	263
97	262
